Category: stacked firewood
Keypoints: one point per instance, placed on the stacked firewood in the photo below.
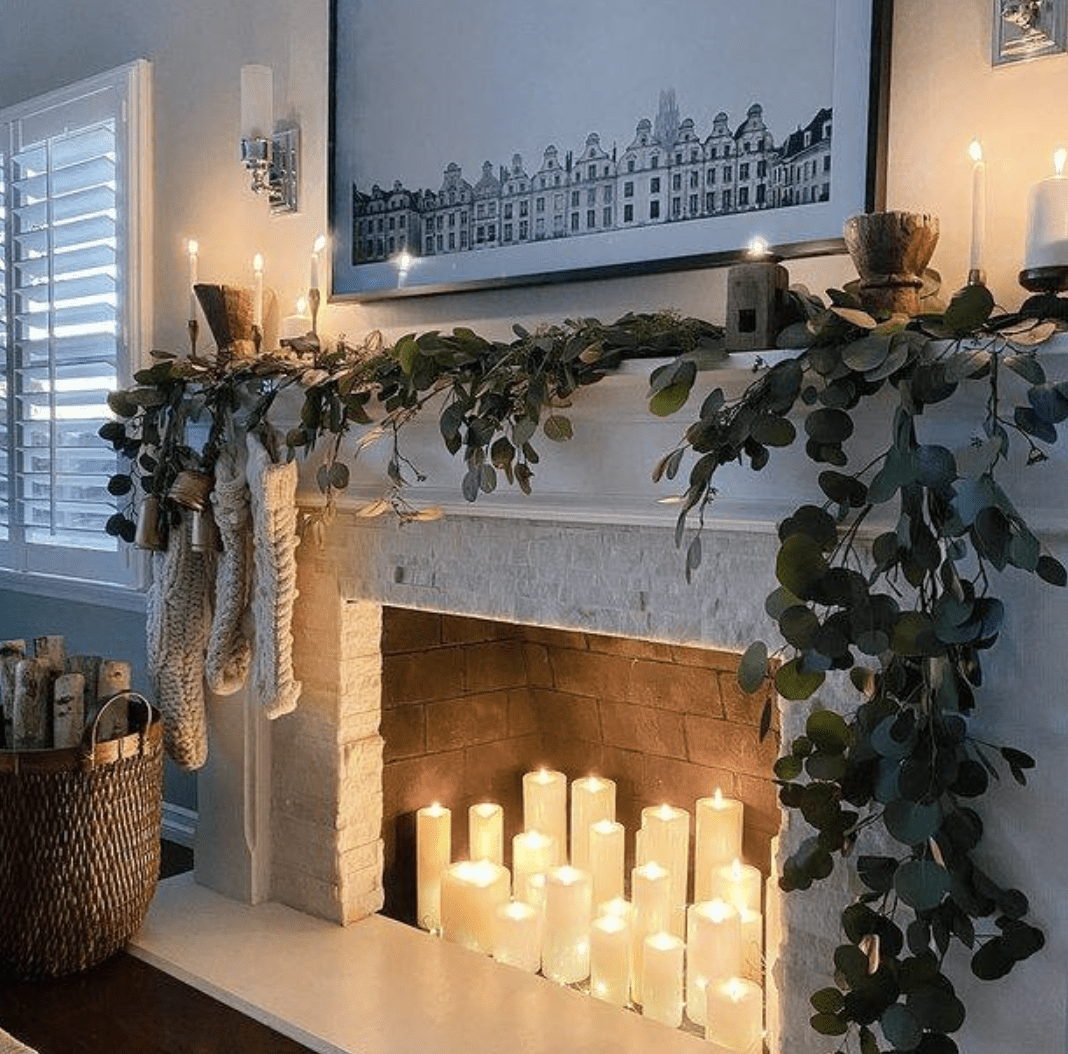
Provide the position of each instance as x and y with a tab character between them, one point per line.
49	698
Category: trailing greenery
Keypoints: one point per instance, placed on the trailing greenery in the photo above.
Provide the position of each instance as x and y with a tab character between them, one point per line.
889	788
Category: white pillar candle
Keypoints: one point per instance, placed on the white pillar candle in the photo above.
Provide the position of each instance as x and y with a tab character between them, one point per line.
606	860
320	244
662	978
714	941
485	832
752	926
517	936
535	891
617	906
738	884
433	839
257	290
532	851
193	248
650	892
565	947
717	841
471	892
640	856
610	959
667	841
733	1015
975	260
592	800
1047	220
545	807
297	324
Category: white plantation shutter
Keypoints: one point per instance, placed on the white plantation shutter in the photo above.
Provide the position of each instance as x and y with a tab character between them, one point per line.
70	319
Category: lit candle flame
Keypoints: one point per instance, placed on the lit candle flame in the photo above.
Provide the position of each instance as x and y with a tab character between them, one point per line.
194	247
736	870
404	261
717	799
666	811
320	244
257	262
1058	161
735	989
975	150
302	306
757	246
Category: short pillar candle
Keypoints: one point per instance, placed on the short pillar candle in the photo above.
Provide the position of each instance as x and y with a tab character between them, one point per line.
545	807
485	832
433	838
752	926
606	860
717	839
714	945
517	936
565	949
532	852
667	842
662	978
650	890
592	799
471	892
738	884
610	959
734	1009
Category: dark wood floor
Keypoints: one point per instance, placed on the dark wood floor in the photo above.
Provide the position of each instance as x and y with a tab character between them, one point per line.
125	1006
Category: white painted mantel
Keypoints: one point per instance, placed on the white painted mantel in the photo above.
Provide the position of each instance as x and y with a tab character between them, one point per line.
288	810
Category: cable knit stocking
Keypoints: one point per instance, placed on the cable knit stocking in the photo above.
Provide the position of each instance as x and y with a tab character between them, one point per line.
178	618
229	649
272	488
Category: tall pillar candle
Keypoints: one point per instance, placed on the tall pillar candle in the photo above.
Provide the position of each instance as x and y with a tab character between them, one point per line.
485	832
752	926
714	943
535	892
667	841
606	860
545	807
717	839
662	959
471	892
592	800
433	840
738	884
650	891
532	852
610	959
565	948
1047	220
733	1014
517	936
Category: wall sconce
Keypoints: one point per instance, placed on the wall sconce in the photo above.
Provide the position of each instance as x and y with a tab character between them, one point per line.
271	156
1028	29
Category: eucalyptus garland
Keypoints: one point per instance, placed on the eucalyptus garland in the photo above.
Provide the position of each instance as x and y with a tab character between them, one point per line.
888	788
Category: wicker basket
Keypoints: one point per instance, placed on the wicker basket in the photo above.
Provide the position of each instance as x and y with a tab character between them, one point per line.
79	847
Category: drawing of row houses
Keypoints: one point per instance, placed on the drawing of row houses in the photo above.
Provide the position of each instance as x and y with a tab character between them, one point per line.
731	170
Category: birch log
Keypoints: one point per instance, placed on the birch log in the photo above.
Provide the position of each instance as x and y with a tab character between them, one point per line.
89	667
51	651
32	710
10	653
68	710
114	677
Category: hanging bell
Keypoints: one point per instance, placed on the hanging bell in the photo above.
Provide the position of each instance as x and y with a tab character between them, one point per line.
204	534
148	534
190	489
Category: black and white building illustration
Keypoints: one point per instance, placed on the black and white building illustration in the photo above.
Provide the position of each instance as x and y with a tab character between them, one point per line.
668	173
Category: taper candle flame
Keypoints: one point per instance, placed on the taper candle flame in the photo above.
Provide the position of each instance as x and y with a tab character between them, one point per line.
757	247
975	150
1058	161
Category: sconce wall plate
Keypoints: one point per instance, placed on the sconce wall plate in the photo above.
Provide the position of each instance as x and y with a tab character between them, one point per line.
275	172
1028	29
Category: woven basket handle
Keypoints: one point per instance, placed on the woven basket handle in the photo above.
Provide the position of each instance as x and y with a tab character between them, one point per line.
88	745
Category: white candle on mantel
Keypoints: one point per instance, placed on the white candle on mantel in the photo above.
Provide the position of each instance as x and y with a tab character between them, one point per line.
1047	220
752	925
433	846
545	807
535	891
662	978
532	852
257	290
975	260
733	1014
739	885
517	936
592	800
714	943
606	860
471	892
717	841
485	832
650	891
565	942
297	324
318	247
610	959
667	841
193	248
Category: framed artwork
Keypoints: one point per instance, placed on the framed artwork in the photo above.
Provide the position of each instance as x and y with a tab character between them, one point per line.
475	144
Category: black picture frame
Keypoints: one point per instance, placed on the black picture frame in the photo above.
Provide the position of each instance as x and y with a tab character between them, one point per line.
381	109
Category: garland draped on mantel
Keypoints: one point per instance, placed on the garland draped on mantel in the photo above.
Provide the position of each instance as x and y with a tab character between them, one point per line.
889	787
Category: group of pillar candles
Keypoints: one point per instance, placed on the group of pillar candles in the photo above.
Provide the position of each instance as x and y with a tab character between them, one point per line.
570	919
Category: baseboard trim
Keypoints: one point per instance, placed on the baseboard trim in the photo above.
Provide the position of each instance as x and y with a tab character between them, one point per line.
179	824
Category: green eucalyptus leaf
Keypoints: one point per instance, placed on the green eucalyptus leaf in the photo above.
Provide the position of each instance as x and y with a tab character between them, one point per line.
1049	402
799	625
1025	365
829	425
912	823
921	884
829	1024
753	667
800	564
339	475
794	683
969	309
827	1000
877	872
778	600
899	1026
772	430
868	353
788	767
828	731
1029	421
1051	570
557	428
